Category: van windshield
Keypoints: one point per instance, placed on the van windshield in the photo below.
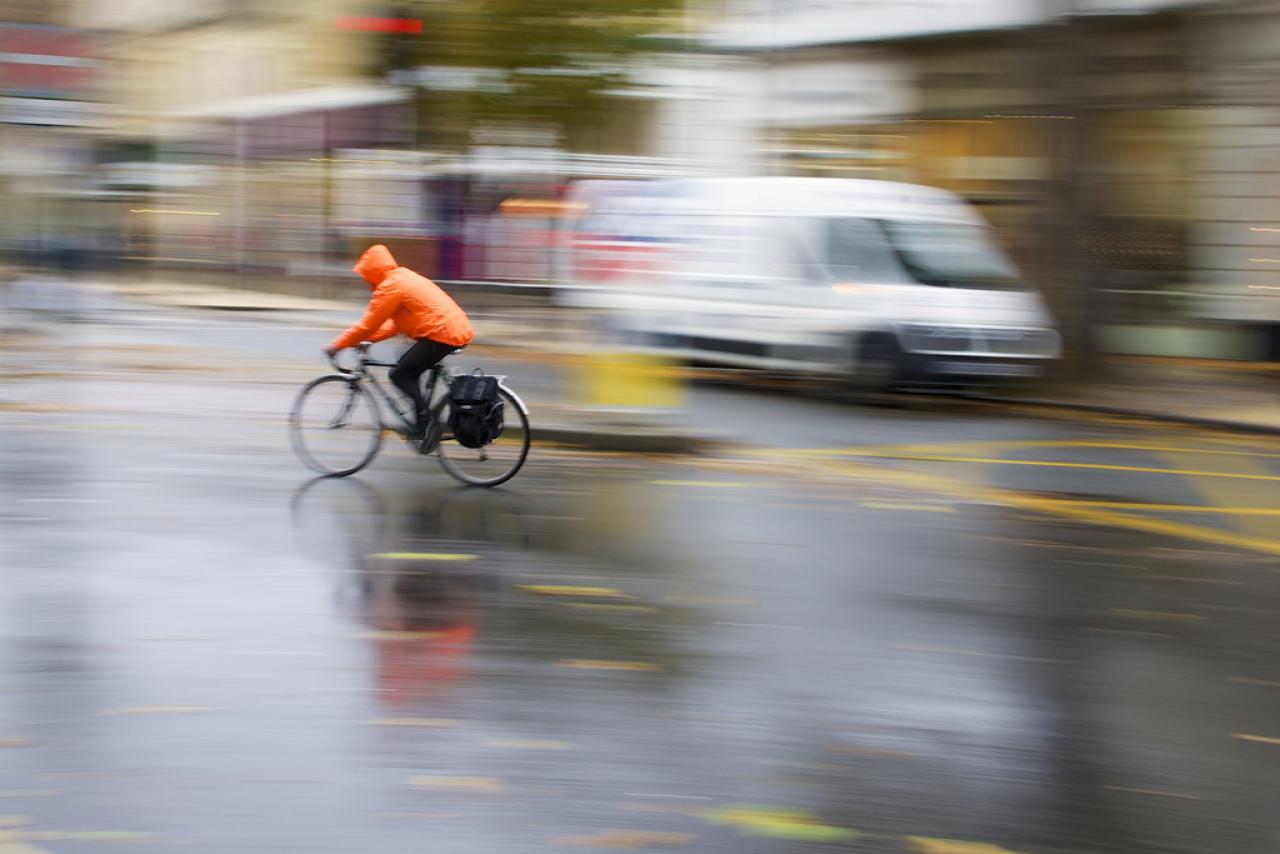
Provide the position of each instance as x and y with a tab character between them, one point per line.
856	250
950	255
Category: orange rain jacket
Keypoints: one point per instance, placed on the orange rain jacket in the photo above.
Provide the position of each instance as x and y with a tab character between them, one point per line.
404	303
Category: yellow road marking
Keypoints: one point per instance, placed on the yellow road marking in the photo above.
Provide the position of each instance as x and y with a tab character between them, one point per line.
574	590
1155	615
1245	680
395	636
624	839
433	723
608	606
440	556
921	508
528	744
16	742
1158	792
1132	632
996	461
926	845
112	836
1081	511
779	823
1263	739
8	846
933	483
713	484
881	450
589	664
1219	491
1153	448
1171	508
487	785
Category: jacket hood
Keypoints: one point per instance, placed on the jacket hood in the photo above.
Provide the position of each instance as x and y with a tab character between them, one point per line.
376	262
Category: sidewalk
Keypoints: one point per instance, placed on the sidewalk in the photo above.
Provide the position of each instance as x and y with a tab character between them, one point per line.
179	295
534	330
1242	396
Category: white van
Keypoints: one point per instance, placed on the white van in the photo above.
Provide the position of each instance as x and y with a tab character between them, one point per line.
889	284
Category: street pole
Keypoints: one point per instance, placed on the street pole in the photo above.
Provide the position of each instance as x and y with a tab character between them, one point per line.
239	236
1068	269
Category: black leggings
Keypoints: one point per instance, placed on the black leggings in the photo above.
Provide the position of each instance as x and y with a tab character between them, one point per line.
417	360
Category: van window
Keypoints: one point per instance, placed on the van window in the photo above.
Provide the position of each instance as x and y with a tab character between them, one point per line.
950	255
856	252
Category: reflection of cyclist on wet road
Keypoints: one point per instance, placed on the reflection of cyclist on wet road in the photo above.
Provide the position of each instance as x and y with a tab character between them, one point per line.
422	614
408	304
425	622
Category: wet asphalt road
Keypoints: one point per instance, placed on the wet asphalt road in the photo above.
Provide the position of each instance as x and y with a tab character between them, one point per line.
861	629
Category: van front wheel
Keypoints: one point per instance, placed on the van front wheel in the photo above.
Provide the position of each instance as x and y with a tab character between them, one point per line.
877	370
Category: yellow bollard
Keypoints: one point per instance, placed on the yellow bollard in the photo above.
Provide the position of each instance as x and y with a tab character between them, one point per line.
629	381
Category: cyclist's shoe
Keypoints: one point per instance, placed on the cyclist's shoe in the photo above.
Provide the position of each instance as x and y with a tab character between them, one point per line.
418	431
423	437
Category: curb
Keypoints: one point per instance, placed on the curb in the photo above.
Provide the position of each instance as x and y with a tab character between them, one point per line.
1122	412
625	440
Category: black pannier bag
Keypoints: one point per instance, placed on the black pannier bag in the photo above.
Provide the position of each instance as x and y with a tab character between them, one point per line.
475	410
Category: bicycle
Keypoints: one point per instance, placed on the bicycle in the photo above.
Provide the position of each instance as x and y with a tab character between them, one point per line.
336	425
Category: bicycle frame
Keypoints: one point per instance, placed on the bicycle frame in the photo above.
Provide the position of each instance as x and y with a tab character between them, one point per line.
389	415
363	374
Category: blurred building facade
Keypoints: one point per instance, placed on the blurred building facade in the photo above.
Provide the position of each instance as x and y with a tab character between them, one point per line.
48	117
1136	126
224	118
270	138
1125	149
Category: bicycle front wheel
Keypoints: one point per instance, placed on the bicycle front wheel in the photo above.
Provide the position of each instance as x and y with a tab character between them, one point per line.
494	463
334	426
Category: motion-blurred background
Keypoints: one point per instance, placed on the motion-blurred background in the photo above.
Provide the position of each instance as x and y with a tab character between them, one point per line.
1124	150
718	609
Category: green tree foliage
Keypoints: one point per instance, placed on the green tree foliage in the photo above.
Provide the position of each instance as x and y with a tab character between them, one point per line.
547	63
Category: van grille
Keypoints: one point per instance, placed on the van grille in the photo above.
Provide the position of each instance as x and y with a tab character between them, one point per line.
998	340
1017	342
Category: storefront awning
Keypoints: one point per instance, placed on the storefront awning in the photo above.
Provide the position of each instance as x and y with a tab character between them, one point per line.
279	104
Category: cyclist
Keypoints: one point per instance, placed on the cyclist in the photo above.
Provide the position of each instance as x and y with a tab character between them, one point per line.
408	304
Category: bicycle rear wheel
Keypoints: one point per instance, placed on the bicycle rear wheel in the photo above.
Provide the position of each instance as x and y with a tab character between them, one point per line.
494	463
334	426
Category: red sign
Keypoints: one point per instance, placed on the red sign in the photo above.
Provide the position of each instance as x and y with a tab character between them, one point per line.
45	62
408	26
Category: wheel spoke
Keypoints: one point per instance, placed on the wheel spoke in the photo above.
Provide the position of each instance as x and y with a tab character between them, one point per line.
496	462
335	426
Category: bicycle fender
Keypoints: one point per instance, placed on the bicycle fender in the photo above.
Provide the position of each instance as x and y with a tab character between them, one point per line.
520	403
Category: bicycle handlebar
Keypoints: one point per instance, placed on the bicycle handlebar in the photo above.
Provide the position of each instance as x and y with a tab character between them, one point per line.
363	347
333	361
365	361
